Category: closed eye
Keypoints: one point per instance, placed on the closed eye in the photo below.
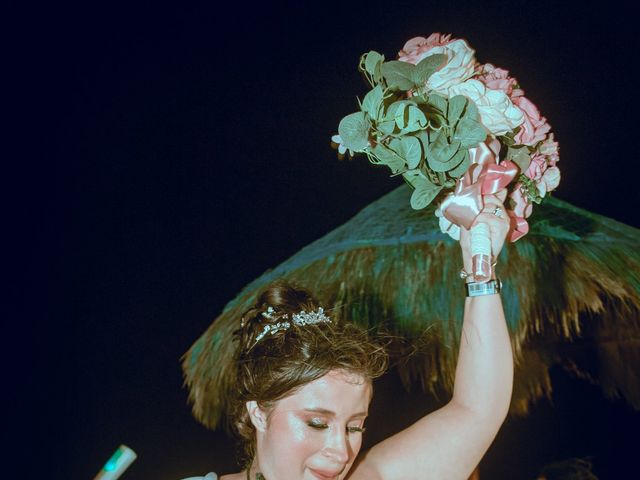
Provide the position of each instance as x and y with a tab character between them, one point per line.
356	429
317	425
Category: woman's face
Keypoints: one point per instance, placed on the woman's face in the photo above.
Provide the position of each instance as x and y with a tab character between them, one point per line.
316	433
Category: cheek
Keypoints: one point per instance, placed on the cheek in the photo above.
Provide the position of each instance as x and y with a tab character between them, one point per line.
355	443
292	439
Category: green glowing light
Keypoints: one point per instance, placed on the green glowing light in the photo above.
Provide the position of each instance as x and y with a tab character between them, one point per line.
112	463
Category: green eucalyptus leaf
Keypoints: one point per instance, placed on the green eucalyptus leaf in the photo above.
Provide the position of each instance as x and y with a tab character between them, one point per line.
372	102
461	162
389	158
469	132
424	139
415	119
520	156
390	114
407	149
436	122
386	127
422	197
407	116
438	102
394	145
441	154
435	135
472	111
424	191
456	109
398	75
399	114
427	67
354	131
411	150
432	110
372	61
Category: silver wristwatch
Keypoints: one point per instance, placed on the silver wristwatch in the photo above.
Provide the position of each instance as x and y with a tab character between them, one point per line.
475	289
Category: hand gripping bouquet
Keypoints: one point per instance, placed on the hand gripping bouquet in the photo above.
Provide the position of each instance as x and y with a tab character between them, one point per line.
455	130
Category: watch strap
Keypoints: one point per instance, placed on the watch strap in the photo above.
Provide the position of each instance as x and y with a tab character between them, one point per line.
476	289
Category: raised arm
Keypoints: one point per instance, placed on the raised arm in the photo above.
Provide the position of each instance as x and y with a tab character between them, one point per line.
449	443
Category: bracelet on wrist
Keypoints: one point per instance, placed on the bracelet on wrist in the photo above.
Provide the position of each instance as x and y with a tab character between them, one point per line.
464	274
476	289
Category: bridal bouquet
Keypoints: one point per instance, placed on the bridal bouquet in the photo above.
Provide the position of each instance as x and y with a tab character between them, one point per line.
455	129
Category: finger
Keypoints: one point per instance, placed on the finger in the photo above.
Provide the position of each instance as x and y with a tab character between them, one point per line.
494	222
494	213
493	201
494	206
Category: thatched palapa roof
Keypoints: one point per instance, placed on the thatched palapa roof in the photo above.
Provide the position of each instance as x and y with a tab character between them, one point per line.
571	296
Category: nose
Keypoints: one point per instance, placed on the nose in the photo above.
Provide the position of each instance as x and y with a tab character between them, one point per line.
338	447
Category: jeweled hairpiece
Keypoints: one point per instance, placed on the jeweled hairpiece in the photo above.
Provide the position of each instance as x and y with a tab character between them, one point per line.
299	319
311	318
272	328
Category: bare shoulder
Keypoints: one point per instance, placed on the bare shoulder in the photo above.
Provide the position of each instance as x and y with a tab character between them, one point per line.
208	476
234	476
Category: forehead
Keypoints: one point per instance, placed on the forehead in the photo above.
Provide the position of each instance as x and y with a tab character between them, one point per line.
343	393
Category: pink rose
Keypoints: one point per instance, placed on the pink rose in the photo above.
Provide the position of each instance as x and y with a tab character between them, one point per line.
535	126
537	167
549	148
412	50
496	78
550	179
545	175
522	206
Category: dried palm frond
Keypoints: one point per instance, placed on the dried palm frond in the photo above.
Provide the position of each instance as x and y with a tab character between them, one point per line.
571	297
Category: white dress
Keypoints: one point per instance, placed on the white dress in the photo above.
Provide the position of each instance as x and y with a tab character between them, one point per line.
208	476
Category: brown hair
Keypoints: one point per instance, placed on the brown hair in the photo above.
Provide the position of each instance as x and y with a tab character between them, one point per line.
281	362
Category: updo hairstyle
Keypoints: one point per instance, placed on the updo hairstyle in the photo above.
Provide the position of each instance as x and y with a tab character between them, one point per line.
285	359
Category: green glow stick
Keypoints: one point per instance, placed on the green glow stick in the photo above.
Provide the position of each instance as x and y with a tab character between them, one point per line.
117	464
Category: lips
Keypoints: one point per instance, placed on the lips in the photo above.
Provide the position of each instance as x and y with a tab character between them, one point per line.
324	474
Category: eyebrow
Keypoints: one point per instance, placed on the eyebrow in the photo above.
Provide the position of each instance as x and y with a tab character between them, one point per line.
324	411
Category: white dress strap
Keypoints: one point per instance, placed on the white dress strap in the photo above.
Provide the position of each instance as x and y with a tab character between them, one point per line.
208	476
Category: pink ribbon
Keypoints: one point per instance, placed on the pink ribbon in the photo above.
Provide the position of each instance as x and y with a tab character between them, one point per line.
519	227
485	176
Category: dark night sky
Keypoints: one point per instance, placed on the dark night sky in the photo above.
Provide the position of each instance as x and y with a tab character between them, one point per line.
188	151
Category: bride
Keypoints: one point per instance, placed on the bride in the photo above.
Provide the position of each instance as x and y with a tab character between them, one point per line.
304	384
